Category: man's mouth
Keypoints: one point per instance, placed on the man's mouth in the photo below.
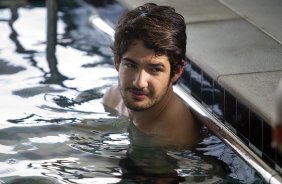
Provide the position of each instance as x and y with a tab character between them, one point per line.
138	94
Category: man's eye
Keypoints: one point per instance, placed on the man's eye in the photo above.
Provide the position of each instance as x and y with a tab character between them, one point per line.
156	70
130	65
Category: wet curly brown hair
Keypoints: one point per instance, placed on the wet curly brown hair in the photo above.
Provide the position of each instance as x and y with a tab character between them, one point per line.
159	27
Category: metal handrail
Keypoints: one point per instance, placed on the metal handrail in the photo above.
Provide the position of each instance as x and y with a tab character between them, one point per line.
267	173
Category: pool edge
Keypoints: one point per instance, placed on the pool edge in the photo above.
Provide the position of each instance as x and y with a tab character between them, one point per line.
227	136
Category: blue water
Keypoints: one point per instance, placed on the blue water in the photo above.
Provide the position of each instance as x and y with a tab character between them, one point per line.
53	126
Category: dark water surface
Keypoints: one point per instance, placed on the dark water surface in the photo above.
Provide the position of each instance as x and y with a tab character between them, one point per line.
53	127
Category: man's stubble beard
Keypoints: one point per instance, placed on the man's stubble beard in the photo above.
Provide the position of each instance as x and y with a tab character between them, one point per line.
153	100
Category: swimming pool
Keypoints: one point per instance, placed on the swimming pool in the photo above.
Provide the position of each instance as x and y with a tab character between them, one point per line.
56	129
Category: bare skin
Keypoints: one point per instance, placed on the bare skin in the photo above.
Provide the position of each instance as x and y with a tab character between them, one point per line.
146	96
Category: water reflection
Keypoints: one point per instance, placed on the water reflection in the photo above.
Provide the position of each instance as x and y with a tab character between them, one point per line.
146	161
14	35
52	17
14	6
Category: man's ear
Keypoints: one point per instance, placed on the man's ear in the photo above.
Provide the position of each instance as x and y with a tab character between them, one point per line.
179	72
116	63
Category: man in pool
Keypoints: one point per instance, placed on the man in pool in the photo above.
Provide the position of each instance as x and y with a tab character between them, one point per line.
149	55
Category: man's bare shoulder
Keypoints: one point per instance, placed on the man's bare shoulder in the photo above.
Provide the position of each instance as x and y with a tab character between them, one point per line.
112	99
182	125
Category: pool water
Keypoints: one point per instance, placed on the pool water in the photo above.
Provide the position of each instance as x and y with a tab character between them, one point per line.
53	126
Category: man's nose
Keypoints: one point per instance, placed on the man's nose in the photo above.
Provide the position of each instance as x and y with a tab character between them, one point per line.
141	79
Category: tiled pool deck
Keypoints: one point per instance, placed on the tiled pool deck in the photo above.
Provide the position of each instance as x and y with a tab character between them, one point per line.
236	45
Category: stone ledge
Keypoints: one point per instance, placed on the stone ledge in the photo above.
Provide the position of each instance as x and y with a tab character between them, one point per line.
266	15
192	11
232	47
254	90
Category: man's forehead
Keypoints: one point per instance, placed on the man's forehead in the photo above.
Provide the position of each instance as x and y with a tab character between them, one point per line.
137	51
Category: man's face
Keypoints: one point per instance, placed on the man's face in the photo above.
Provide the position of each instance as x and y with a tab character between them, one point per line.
144	78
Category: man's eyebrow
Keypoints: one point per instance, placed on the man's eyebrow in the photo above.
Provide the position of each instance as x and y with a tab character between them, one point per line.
129	59
158	65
